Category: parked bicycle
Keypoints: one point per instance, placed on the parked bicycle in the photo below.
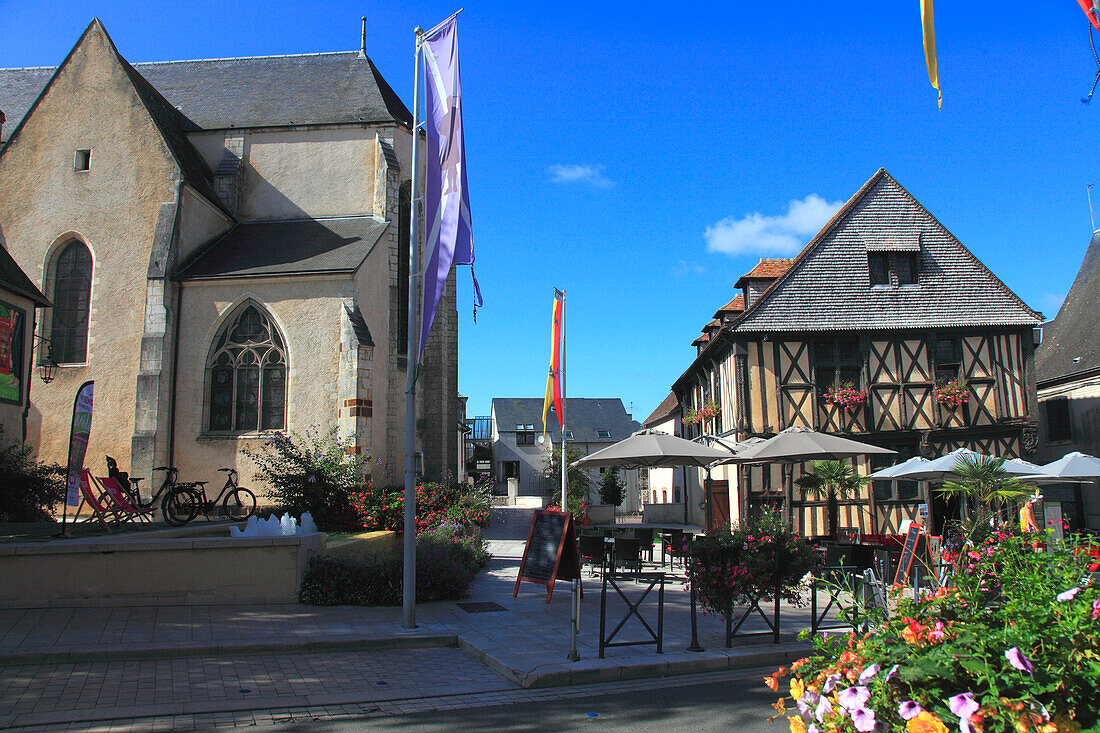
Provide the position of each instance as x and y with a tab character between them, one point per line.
187	501
132	486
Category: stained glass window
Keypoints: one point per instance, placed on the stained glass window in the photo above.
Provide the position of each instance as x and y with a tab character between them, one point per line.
246	374
72	290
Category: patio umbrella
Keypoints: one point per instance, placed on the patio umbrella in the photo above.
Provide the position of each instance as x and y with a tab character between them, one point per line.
653	449
892	472
797	444
1074	465
943	468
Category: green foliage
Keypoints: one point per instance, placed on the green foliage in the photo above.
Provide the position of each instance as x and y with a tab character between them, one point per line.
27	488
985	485
758	559
611	487
579	486
315	473
832	478
436	503
447	561
1016	633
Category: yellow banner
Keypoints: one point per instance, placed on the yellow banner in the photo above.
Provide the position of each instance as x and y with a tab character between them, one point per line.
929	29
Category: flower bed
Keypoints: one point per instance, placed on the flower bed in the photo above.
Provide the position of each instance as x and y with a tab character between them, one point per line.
436	503
1014	645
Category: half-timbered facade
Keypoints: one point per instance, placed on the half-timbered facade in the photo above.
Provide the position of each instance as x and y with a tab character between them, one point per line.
885	302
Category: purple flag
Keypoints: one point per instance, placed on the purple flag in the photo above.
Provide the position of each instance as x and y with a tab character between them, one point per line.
449	235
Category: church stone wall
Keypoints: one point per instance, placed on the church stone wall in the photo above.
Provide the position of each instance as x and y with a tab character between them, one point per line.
308	312
113	207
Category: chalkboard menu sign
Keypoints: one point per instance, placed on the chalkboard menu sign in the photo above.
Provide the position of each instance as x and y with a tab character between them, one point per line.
550	553
909	553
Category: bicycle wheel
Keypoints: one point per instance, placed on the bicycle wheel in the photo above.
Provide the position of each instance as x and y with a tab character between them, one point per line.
179	506
239	504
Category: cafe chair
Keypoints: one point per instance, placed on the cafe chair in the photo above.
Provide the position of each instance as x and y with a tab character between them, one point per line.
591	551
672	546
628	554
645	541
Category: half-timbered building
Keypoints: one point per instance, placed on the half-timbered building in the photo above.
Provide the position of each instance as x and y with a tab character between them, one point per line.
884	300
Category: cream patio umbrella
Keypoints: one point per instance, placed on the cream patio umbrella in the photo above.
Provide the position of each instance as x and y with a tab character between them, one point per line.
653	449
798	444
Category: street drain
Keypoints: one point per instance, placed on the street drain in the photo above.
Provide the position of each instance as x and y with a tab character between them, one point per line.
481	607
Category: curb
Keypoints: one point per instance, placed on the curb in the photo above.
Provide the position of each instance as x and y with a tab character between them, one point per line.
69	655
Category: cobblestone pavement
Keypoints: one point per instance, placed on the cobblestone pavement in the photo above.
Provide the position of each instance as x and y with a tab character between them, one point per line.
85	692
367	711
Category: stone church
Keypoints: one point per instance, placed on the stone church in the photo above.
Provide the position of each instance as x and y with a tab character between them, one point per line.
224	243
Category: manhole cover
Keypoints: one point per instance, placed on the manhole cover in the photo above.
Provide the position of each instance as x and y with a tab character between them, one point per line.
481	607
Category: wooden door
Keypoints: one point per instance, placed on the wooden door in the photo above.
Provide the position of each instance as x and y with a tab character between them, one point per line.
719	504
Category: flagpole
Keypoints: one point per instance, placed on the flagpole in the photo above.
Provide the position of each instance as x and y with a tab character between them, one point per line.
408	574
561	371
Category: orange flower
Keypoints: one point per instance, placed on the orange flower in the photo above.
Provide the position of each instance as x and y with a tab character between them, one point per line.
799	663
850	658
926	722
797	726
912	632
772	683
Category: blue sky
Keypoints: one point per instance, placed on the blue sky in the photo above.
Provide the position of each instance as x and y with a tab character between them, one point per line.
642	158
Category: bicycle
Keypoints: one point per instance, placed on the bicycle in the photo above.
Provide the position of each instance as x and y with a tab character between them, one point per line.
187	501
132	486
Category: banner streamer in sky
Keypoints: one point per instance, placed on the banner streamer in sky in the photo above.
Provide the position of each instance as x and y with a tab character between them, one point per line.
449	235
929	29
553	380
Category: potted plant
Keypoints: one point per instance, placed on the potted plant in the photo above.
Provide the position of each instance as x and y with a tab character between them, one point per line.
707	411
952	394
847	396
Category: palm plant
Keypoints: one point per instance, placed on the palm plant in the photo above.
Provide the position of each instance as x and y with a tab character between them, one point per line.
985	485
832	479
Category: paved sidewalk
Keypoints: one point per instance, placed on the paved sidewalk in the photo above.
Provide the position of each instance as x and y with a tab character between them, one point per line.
519	642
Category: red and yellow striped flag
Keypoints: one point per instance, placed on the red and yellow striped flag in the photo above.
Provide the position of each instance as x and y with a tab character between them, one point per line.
553	380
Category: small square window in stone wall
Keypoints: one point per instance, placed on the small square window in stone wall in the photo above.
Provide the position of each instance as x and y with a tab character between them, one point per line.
82	161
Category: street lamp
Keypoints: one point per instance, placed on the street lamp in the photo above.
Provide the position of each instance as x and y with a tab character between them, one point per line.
47	367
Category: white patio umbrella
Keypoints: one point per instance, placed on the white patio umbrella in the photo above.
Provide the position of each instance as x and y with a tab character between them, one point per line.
798	444
893	472
652	449
942	468
1074	465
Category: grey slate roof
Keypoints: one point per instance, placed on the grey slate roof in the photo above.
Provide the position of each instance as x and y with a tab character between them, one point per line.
264	91
258	249
828	286
13	279
584	416
1075	332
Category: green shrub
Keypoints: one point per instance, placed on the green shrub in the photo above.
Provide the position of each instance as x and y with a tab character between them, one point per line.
611	487
28	489
315	473
447	561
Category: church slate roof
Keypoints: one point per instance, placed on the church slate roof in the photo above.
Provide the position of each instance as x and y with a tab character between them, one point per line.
289	247
262	91
827	287
1075	331
583	415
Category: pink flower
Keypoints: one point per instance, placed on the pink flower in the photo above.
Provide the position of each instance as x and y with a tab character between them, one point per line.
1067	595
830	683
824	707
936	633
853	697
866	675
1019	661
1095	609
964	705
909	709
863	719
892	673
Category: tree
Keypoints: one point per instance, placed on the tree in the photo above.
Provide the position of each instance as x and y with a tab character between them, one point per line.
611	487
985	485
833	479
579	482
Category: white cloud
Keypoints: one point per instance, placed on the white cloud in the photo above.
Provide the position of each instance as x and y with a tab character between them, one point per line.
572	173
783	234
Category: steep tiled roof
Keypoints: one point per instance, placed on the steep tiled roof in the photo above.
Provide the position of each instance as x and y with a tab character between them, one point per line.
668	406
734	306
265	248
1075	332
583	415
765	269
827	287
701	339
264	91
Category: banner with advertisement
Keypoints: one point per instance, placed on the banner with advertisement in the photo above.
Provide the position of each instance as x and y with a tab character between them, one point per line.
12	324
78	441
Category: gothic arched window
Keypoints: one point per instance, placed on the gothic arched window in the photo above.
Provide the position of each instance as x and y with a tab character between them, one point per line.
72	291
246	374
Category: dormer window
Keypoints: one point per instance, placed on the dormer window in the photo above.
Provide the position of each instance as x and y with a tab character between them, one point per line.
893	268
603	433
879	266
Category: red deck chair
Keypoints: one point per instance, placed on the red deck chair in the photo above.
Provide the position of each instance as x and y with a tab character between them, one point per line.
119	504
88	498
